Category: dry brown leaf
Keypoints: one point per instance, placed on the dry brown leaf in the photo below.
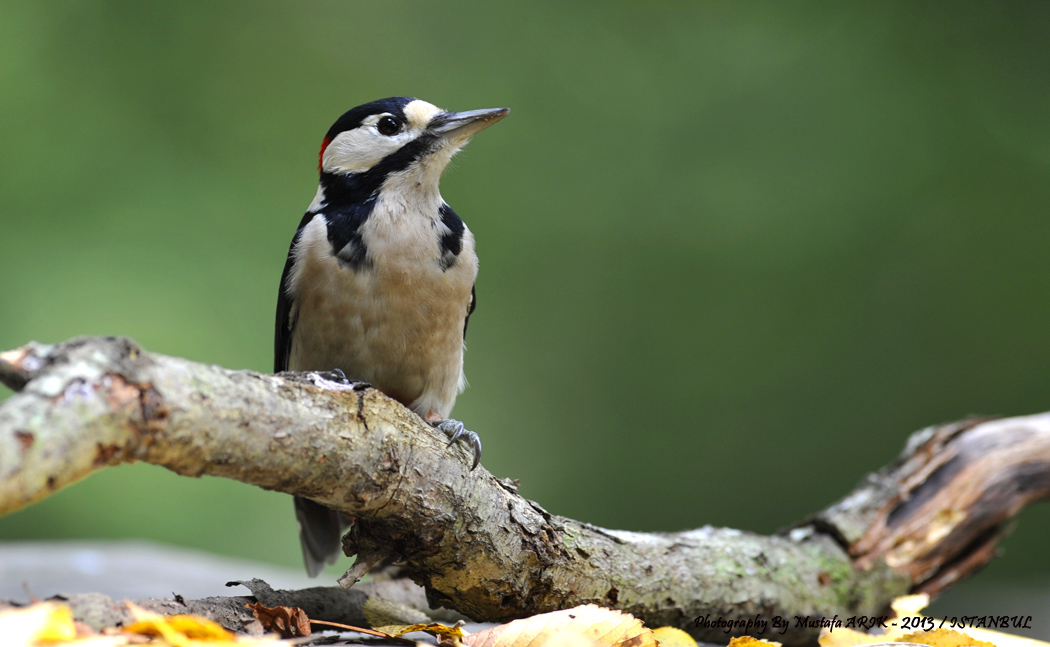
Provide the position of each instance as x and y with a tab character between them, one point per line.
604	626
287	622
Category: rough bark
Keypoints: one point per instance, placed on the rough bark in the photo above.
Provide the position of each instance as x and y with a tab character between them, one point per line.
329	603
929	518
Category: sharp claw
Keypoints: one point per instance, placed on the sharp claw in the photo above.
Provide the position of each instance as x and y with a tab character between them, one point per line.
334	375
337	376
455	430
477	452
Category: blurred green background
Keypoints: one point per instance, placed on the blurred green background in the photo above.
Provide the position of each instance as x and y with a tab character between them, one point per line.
732	254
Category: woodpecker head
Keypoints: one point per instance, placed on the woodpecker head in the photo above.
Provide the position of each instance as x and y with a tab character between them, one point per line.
400	135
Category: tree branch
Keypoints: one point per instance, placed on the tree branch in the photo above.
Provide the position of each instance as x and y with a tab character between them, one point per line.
929	518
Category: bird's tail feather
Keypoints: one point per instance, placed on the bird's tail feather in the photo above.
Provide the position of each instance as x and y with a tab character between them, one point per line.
320	532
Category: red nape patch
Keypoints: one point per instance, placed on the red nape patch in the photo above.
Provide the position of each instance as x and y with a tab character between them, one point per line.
320	156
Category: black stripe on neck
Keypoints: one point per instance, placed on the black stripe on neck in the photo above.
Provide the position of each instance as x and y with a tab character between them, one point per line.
355	188
351	197
451	242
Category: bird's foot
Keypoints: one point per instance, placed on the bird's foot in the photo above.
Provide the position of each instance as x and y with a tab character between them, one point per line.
337	379
335	375
455	431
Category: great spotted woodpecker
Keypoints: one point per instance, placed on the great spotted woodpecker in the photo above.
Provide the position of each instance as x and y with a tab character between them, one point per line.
379	281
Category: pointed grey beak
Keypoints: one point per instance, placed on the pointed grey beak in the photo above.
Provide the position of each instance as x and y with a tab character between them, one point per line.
461	125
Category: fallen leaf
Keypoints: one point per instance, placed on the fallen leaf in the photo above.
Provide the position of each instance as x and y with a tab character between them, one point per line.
178	630
906	606
603	626
288	622
944	638
846	637
41	623
673	637
911	606
454	633
569	638
58	626
49	624
748	641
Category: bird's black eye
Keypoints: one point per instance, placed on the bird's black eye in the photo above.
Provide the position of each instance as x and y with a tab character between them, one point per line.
388	126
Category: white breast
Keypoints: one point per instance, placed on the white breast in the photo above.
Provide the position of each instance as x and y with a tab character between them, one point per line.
398	323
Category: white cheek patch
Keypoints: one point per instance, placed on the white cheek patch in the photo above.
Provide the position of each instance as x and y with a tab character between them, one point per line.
357	150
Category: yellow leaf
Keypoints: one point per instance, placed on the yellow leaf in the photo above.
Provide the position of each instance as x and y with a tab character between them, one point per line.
198	628
673	637
846	637
58	627
748	641
603	626
179	630
944	638
454	632
41	623
909	607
